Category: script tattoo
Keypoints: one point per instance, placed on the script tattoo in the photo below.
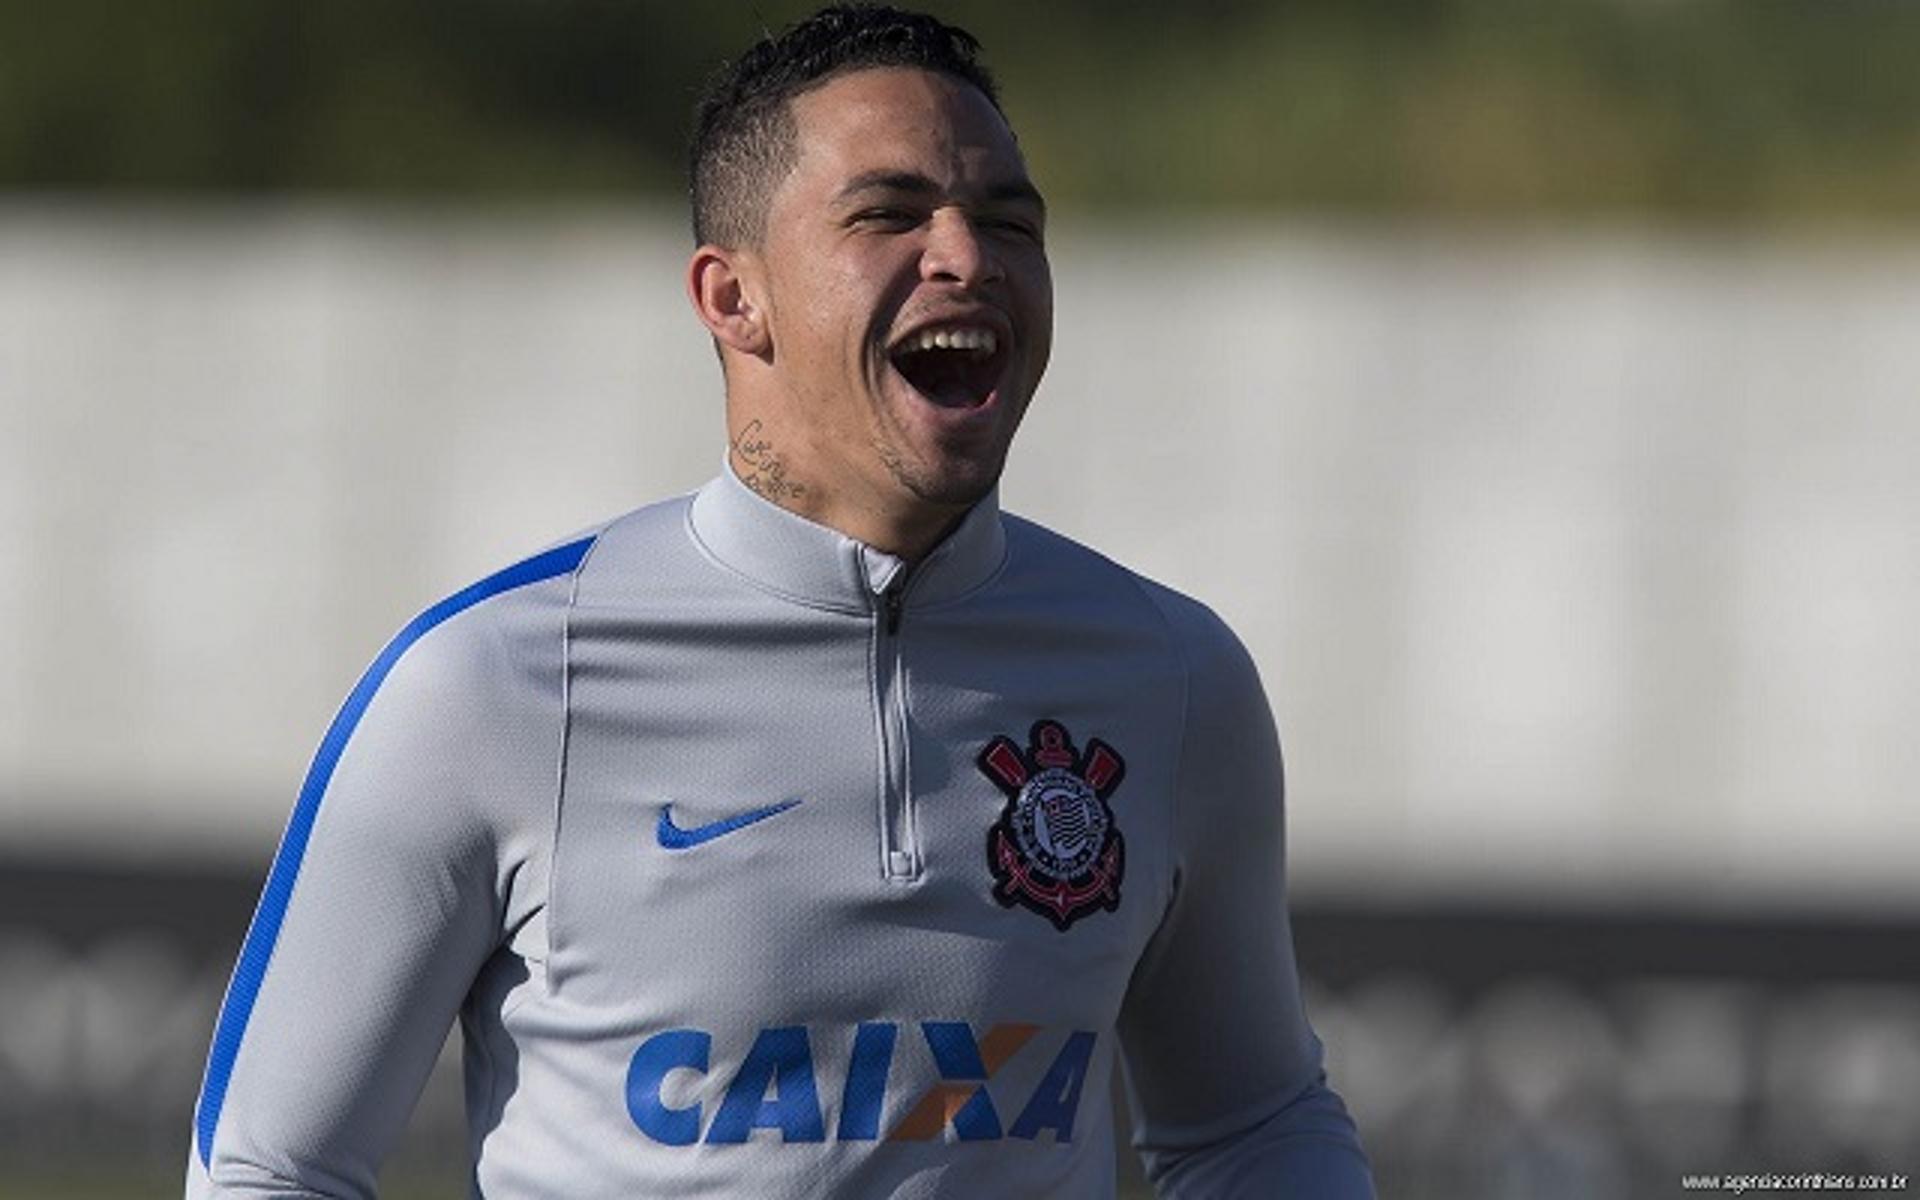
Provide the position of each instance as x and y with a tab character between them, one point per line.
761	469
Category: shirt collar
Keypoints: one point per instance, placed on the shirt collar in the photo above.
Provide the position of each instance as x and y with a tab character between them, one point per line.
806	561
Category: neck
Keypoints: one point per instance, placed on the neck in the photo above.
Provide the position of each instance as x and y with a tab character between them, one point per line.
907	531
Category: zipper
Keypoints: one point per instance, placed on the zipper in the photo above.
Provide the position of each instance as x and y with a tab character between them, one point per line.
899	857
890	604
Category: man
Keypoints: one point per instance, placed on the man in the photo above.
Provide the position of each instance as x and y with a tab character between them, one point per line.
826	832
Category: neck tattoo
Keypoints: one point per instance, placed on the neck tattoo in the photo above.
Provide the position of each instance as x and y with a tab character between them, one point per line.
760	468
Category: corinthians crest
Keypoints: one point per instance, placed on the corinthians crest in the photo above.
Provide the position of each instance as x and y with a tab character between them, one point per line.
1055	848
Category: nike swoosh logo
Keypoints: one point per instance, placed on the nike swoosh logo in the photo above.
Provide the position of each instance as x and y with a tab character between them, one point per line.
672	837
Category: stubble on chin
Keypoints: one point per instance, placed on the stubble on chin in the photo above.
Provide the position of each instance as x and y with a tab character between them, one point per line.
955	489
958	484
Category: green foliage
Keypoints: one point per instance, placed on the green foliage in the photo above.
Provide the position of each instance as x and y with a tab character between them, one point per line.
1743	109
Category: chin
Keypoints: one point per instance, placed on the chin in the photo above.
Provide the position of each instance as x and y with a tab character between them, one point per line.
953	485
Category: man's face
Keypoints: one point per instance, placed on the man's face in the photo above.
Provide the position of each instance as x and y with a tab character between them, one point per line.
908	298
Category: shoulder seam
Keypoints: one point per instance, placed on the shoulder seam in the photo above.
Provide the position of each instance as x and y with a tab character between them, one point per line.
1186	705
565	746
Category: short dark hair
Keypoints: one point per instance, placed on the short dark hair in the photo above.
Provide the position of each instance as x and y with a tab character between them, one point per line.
744	140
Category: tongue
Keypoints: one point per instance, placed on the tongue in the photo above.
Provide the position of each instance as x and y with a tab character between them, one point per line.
946	378
952	393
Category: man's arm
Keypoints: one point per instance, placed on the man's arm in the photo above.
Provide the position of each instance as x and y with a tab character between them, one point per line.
1229	1096
386	897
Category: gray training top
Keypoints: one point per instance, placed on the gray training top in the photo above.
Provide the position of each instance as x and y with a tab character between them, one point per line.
755	863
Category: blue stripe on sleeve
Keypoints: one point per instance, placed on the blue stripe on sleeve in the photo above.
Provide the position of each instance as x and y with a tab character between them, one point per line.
257	951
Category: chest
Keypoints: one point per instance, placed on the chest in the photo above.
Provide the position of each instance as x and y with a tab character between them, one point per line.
824	819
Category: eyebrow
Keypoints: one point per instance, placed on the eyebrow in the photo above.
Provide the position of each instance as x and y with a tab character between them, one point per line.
889	180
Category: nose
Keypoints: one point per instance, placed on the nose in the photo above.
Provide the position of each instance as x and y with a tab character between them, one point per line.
956	253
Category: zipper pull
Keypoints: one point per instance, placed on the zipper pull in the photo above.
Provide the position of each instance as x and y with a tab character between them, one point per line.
891	600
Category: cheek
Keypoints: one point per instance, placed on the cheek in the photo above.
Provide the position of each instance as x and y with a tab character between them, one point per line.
1038	294
845	307
810	304
1032	273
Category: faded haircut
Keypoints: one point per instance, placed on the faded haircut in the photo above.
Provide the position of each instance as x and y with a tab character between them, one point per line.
744	140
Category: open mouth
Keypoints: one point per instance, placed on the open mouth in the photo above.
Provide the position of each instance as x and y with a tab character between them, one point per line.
955	366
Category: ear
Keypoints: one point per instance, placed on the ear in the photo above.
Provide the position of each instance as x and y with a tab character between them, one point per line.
722	284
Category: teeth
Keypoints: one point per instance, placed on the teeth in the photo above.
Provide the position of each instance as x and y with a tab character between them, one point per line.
979	341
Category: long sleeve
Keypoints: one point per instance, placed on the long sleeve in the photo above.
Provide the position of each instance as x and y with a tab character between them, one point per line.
386	898
1225	1077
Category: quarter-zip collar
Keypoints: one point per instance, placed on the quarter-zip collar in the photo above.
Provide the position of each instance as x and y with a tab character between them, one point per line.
814	564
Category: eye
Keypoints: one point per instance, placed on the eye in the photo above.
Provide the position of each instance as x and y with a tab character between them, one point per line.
884	217
1012	225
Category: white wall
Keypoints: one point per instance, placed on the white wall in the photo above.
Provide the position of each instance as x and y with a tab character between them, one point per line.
1580	564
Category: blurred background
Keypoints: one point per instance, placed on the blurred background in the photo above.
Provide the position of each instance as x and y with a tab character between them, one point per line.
1536	387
